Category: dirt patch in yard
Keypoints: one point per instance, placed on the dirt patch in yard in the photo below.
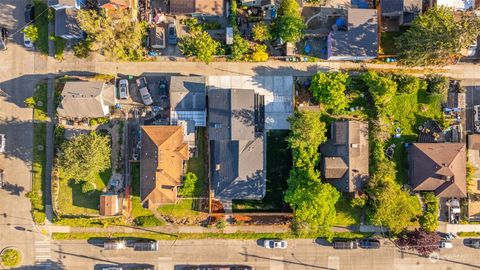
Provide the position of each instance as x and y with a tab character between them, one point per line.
262	219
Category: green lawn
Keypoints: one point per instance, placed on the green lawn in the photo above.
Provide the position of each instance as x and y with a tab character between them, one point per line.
137	209
71	200
41	22
38	168
196	164
279	163
346	214
40	94
183	208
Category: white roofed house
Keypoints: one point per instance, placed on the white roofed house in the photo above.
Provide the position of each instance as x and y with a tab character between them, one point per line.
86	100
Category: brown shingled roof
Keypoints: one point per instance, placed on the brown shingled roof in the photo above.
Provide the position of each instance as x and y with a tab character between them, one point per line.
438	167
161	164
109	205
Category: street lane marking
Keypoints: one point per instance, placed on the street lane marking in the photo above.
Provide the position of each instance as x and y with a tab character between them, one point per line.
333	262
276	263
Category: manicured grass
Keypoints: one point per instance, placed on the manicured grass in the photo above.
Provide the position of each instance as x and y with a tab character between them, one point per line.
38	168
71	200
279	163
41	22
196	164
183	208
346	214
190	236
59	47
90	222
40	94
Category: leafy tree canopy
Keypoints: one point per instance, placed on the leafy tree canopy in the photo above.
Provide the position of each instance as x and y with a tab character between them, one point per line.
421	241
31	31
188	184
289	24
117	39
429	219
199	44
437	37
381	87
239	48
329	89
84	156
259	53
260	32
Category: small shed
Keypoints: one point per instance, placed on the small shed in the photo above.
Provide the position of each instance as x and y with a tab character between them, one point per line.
109	205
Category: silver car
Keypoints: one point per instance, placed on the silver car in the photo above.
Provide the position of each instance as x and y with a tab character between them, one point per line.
3	142
123	88
146	97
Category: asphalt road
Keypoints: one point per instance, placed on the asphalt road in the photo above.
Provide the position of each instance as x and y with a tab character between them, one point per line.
18	69
301	254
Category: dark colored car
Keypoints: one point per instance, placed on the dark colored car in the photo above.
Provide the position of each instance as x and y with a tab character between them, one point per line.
29	13
172	34
473	243
369	243
3	38
145	245
344	244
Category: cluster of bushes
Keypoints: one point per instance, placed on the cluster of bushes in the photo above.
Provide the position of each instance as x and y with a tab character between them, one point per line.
98	121
147	221
38	213
429	219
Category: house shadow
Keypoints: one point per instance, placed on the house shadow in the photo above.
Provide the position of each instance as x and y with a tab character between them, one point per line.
19	143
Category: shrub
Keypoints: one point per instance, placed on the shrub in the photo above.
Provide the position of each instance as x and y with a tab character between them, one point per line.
259	53
38	216
188	184
359	201
406	83
147	221
87	187
239	48
260	32
429	219
437	84
11	258
82	49
31	31
30	102
221	223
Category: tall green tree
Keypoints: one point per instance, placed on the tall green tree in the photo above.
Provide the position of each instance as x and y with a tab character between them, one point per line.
84	156
289	24
437	37
392	206
199	44
382	88
260	32
120	39
329	89
312	200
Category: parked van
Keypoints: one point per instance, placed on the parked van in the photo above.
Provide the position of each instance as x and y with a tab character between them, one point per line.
344	244
145	245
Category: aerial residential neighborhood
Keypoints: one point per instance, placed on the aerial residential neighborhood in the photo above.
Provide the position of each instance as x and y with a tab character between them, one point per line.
239	134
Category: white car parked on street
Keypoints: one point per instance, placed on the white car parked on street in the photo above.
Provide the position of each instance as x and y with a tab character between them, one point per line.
275	244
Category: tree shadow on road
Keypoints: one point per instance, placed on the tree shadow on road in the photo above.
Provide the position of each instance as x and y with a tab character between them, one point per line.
286	261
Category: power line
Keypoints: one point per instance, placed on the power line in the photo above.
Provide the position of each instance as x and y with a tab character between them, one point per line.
23	27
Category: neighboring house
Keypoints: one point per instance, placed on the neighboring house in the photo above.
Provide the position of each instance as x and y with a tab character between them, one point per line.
473	152
66	25
438	167
198	7
162	164
358	40
400	11
188	100
457	4
118	8
84	100
109	205
345	156
257	3
237	148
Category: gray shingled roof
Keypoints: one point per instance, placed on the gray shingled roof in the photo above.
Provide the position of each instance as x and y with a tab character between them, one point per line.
361	39
237	153
187	93
345	156
66	22
86	99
